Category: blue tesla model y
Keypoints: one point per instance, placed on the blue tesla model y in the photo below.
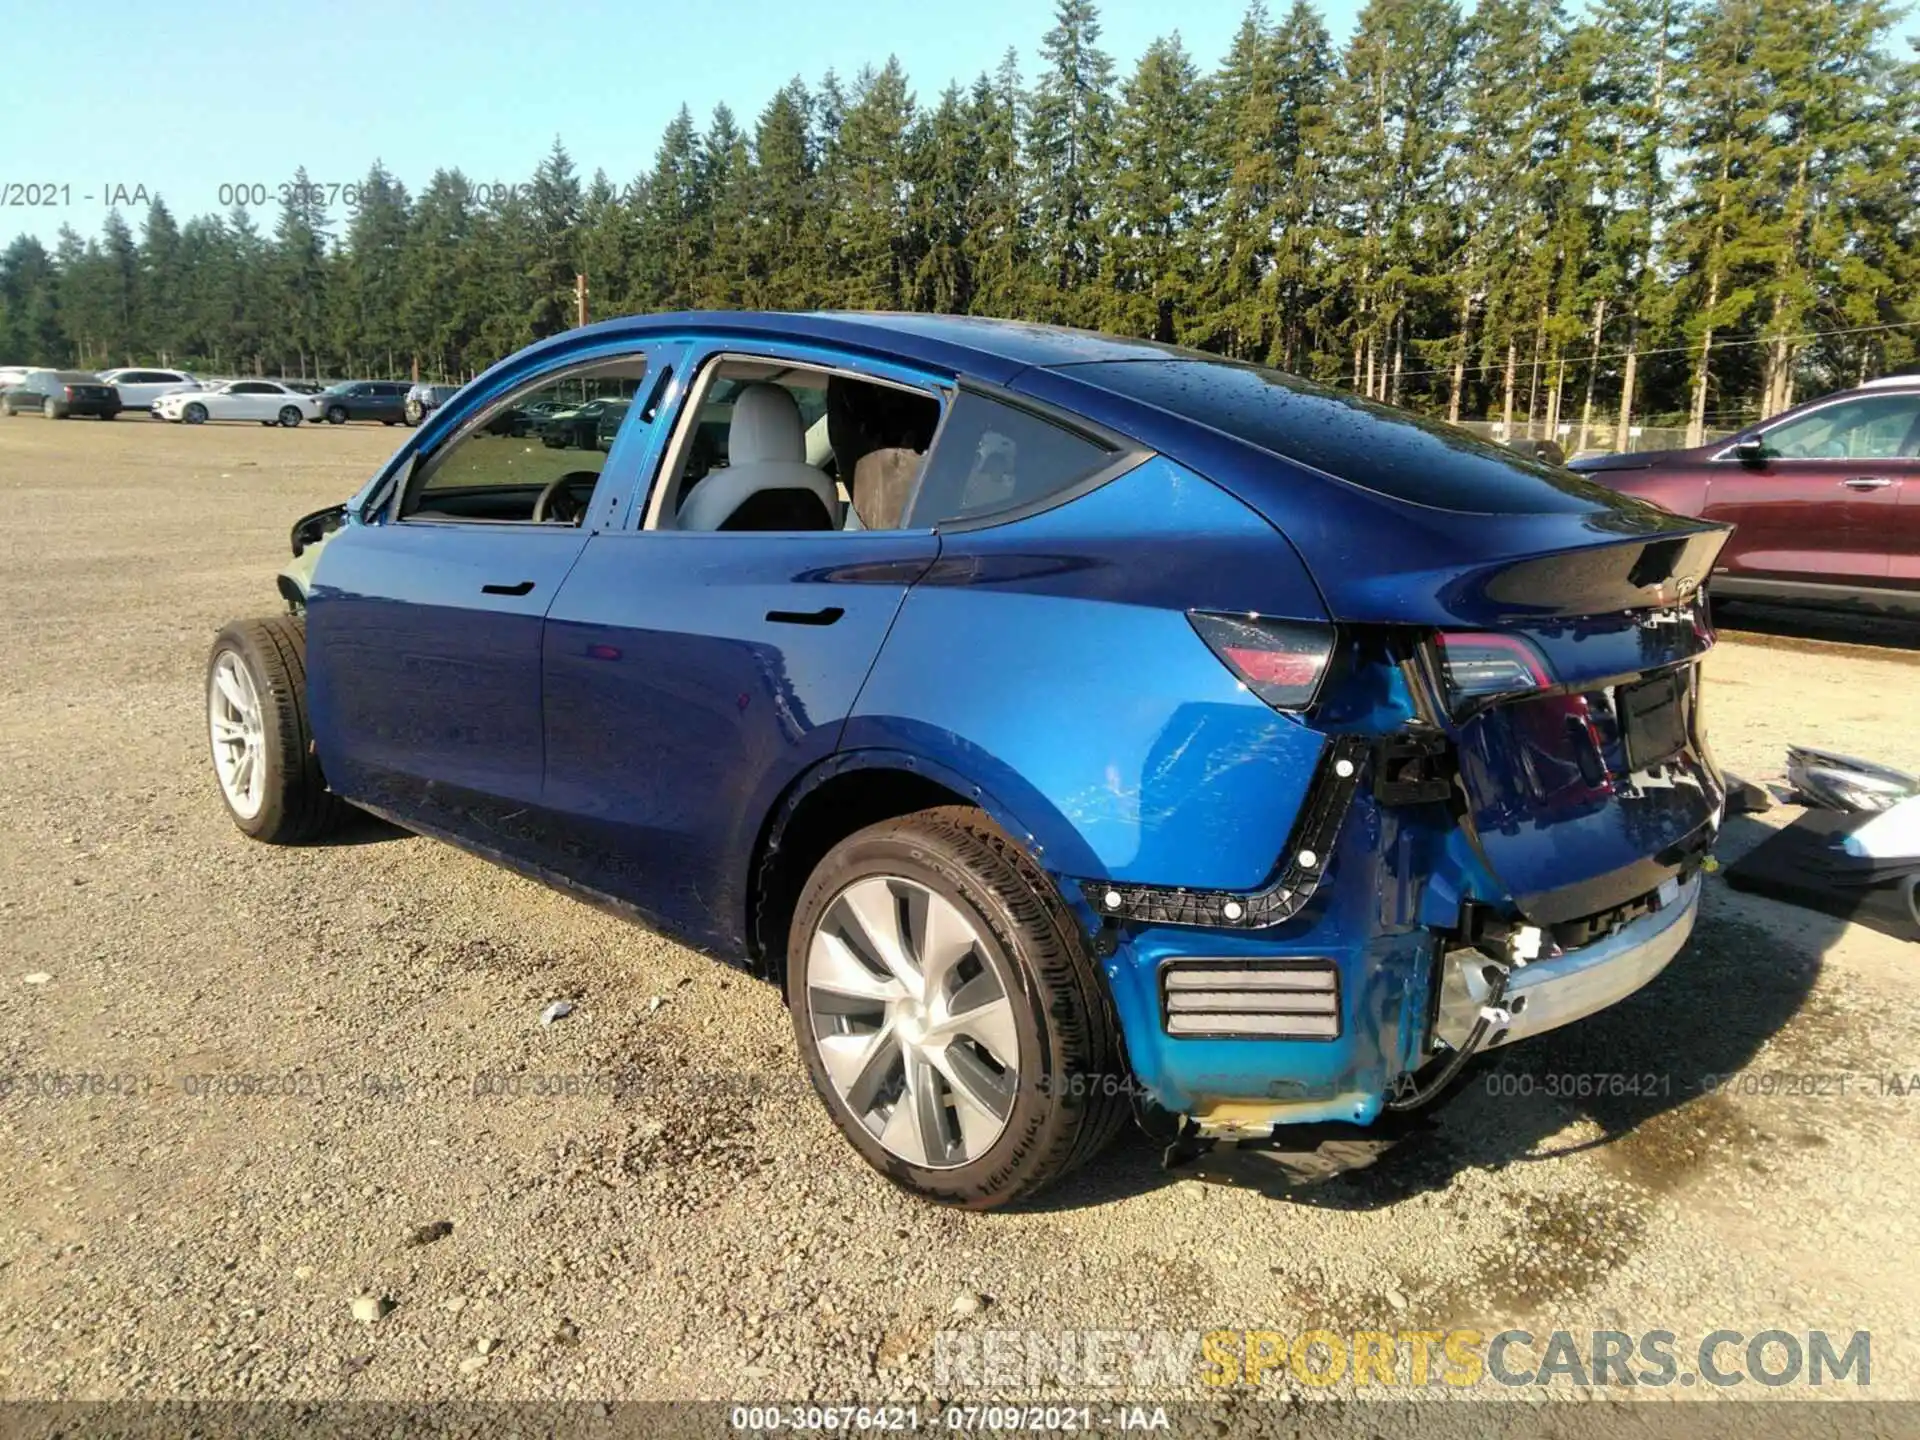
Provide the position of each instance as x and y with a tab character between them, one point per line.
1076	727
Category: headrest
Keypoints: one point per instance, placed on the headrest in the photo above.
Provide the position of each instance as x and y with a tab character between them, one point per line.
882	482
765	426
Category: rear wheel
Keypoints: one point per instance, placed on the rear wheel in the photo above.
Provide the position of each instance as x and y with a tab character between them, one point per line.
262	744
195	414
948	1013
50	410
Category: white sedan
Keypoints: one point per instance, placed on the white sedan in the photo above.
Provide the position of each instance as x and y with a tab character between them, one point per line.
266	401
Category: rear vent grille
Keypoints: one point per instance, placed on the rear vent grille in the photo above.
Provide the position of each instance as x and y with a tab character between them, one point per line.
1251	1000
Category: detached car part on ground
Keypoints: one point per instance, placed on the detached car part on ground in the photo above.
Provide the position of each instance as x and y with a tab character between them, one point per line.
1197	741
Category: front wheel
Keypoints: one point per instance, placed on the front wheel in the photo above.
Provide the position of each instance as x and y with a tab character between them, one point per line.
262	744
336	414
195	414
949	1014
289	416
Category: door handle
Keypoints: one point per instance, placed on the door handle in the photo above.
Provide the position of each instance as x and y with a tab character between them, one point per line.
1867	482
806	617
523	588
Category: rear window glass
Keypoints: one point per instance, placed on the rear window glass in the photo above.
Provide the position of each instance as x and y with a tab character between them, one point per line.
1363	442
991	458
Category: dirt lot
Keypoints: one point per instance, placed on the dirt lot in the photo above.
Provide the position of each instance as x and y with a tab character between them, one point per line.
704	1231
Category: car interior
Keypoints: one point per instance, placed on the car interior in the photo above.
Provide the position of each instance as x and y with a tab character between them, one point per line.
767	446
1868	427
773	446
534	457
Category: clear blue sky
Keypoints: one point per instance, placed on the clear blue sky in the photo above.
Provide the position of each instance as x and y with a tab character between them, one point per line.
184	99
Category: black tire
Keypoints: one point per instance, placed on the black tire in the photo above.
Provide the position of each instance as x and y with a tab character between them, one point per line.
336	414
297	806
194	414
1071	1095
110	415
289	416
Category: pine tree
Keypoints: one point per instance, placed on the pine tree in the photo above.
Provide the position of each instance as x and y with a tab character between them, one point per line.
944	165
1303	212
161	319
727	183
785	263
1724	124
995	244
438	324
867	230
1154	258
672	222
554	213
30	329
1069	159
295	326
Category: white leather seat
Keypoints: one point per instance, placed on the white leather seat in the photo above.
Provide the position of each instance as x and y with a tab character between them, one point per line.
766	451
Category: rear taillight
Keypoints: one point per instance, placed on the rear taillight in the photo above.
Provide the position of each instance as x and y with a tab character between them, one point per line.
1476	668
67	390
1281	661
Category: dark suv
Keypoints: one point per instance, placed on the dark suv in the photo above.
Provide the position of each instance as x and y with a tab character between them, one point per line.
1825	499
382	400
58	394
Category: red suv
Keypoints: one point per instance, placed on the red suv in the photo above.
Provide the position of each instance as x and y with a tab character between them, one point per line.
1825	498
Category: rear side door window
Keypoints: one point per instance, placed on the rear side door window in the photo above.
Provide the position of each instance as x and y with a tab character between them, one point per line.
772	444
1872	427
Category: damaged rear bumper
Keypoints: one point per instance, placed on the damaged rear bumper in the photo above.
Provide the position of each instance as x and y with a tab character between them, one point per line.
1552	992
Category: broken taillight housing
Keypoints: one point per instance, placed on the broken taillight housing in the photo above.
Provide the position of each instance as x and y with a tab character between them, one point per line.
1478	668
1281	661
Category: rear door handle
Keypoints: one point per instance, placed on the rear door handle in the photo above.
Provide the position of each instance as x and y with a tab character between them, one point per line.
523	588
1867	482
806	617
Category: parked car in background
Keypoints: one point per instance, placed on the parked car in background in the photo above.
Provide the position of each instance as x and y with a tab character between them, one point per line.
62	394
423	400
140	386
1395	755
1825	499
270	402
577	428
382	400
611	419
12	375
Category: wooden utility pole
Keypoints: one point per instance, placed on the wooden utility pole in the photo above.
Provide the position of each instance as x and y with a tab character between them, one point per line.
580	299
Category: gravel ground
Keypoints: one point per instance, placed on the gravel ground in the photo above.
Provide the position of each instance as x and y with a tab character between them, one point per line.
696	1228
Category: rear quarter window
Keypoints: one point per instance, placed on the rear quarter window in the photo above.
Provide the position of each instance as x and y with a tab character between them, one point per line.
1377	447
993	459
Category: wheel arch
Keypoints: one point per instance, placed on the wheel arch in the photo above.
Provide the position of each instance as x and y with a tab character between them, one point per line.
845	793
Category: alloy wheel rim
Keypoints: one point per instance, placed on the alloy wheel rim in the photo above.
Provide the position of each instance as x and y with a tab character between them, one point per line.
239	737
913	1021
